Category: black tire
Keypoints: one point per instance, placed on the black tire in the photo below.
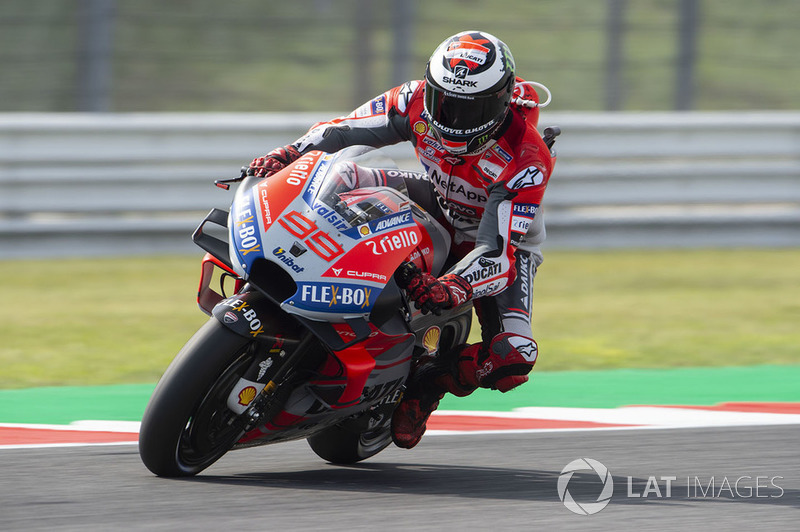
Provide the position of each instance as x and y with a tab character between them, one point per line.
185	427
340	444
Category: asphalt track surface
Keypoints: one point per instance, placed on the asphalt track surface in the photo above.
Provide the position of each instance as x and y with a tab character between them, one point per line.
449	482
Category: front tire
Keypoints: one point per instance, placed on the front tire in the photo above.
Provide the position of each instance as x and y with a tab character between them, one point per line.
187	426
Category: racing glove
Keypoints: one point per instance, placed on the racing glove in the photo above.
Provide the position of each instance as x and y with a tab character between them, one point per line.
431	294
274	161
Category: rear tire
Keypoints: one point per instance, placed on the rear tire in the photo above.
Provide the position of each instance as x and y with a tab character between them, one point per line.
341	444
186	426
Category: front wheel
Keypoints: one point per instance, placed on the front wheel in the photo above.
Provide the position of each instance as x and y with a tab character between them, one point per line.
187	425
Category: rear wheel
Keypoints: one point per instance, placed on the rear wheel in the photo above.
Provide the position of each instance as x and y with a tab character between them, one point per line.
187	425
347	443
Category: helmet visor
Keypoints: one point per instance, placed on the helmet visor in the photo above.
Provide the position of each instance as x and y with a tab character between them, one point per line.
462	116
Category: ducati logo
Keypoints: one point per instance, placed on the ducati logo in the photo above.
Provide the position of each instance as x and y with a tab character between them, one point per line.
468	52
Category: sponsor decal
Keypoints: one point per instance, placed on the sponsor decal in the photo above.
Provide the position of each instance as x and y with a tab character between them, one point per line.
301	169
525	209
502	153
330	216
494	161
310	174
453	160
487	289
393	242
450	186
245	231
348	273
237	305
429	153
266	216
490	169
334	297
391	221
520	224
370	276
467	51
487	368
406	91
403	218
455	147
460	82
433	143
383	390
430	341
457	210
378	105
374	107
230	317
419	253
289	261
525	346
247	395
522	215
263	366
529	177
481	270
420	127
523	273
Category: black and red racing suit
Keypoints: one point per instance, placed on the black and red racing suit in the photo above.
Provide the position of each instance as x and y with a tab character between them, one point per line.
489	201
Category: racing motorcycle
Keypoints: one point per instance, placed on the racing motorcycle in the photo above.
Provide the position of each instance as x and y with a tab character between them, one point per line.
310	334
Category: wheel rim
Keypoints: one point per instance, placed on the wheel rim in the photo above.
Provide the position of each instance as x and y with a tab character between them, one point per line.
210	432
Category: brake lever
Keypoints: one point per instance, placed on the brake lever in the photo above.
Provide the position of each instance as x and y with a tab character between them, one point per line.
225	184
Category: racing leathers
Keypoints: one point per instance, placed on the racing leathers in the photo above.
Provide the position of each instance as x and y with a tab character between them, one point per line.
489	201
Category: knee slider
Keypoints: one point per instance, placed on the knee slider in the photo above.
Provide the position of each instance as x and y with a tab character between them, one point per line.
507	362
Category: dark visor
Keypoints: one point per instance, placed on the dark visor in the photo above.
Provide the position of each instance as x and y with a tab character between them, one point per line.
461	115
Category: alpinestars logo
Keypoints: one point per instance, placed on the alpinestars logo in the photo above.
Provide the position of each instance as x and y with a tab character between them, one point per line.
529	177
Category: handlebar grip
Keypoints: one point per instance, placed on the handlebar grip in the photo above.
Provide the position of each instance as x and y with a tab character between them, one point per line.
550	134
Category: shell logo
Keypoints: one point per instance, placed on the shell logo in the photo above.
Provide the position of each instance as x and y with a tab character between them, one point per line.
430	340
420	127
247	395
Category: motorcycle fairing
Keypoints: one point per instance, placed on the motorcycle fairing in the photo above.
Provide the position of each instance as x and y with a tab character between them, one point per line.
291	219
368	374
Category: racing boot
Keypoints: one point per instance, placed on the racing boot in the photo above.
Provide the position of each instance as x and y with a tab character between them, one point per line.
422	397
410	418
503	366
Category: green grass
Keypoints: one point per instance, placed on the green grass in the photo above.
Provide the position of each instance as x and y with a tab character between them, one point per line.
251	55
106	321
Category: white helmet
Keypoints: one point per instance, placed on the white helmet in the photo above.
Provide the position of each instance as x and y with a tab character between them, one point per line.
469	81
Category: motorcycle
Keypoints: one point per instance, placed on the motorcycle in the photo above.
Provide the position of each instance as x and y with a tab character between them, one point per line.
317	339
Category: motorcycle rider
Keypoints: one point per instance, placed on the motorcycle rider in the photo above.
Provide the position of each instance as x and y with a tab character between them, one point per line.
473	125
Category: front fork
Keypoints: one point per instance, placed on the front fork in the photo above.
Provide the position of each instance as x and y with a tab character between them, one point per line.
279	344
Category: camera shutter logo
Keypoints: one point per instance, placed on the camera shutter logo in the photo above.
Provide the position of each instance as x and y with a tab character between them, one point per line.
585	508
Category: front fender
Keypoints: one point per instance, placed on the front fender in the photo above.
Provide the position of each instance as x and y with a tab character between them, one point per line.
252	315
